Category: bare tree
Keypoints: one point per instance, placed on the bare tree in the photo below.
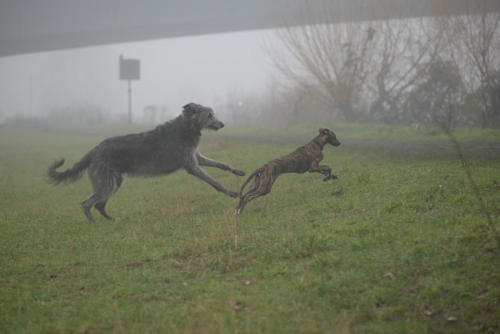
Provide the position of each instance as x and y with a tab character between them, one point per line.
404	49
336	58
437	99
474	44
357	64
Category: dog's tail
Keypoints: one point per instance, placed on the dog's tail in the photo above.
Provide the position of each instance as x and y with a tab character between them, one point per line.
250	178
69	175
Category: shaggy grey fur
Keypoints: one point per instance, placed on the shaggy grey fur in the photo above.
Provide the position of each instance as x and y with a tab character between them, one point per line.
167	148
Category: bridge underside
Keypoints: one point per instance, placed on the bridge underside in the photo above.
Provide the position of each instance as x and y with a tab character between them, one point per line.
28	26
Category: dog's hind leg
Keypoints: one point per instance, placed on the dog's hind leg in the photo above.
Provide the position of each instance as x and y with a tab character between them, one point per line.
101	208
105	182
115	183
244	199
87	204
258	188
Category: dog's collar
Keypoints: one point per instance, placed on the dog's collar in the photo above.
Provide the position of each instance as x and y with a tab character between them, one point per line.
317	143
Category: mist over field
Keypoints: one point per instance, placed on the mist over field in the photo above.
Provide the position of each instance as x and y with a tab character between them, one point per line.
174	72
406	240
422	66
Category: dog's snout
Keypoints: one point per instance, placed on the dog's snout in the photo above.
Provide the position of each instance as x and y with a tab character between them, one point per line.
216	125
335	142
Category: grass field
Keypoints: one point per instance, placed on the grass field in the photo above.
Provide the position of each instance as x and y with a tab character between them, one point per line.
398	244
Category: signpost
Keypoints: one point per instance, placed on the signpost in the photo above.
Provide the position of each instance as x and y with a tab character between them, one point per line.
130	69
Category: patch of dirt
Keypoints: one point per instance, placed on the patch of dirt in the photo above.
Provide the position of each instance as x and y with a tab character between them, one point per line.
133	265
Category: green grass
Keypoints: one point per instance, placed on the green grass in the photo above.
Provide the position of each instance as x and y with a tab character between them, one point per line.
397	245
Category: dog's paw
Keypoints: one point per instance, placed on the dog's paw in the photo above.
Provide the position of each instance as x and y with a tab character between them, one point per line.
332	176
238	172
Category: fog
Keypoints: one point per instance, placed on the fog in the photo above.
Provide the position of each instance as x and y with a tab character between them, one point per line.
175	71
344	61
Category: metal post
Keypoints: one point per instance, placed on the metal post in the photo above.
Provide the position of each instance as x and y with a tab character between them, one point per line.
129	102
130	69
31	96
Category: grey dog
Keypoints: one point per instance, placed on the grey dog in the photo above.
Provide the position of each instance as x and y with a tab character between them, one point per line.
163	150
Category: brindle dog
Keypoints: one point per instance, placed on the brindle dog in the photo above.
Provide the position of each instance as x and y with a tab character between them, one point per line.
304	159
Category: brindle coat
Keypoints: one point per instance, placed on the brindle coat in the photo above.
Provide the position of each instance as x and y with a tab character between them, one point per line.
304	159
163	150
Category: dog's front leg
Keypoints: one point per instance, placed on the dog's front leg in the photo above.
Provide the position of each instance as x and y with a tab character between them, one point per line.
200	173
331	176
204	161
325	170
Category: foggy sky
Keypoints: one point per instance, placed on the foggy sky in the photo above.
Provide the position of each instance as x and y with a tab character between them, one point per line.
203	69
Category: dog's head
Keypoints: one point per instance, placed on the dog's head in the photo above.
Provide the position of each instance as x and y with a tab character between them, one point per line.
329	137
202	117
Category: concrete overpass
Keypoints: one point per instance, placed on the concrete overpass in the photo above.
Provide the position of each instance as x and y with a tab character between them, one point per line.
28	26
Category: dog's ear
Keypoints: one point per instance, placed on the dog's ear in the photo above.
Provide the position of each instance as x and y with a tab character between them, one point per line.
323	131
189	109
